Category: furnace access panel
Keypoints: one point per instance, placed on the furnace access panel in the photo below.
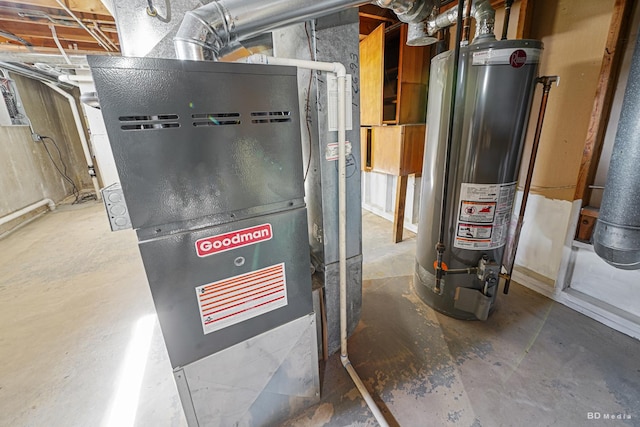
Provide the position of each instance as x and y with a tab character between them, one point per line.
210	163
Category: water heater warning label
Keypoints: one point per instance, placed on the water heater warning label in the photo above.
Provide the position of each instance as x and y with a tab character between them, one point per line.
233	300
483	215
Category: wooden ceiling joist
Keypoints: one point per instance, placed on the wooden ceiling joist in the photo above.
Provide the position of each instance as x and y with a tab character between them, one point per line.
31	20
81	6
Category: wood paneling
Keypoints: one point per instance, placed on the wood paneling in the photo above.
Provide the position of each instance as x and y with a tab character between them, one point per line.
371	77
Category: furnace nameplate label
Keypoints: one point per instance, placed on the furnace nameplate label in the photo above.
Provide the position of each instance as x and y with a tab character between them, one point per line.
483	215
233	240
236	299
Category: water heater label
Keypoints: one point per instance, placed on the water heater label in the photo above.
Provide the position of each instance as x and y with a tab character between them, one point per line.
483	215
514	57
239	298
233	240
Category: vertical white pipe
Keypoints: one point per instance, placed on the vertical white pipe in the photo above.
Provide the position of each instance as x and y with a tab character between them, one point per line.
339	70
80	129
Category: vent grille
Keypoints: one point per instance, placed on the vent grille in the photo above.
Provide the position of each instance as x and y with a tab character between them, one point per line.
159	121
216	119
259	117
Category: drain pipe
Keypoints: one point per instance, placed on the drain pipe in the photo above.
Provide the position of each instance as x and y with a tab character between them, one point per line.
17	214
83	139
339	70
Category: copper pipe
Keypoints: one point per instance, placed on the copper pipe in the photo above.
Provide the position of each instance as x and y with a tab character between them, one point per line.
546	81
467	23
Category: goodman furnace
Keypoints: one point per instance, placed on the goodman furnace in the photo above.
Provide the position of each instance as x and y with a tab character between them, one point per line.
210	165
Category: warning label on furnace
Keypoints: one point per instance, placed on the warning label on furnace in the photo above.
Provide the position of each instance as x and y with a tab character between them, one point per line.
483	215
233	300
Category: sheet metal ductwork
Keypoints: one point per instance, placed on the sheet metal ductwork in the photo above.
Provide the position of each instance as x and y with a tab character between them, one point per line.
217	28
482	12
616	237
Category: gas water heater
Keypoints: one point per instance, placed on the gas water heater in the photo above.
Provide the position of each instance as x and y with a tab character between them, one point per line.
494	93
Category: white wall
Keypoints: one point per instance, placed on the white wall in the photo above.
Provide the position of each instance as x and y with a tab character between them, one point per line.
100	146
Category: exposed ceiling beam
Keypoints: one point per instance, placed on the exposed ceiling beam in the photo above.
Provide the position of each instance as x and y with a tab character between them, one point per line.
27	23
83	6
41	31
32	20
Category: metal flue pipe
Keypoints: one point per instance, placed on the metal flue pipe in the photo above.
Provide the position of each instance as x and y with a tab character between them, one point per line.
482	12
616	237
220	26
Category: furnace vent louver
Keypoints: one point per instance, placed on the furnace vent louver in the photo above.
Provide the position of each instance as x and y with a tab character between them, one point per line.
270	117
148	122
216	119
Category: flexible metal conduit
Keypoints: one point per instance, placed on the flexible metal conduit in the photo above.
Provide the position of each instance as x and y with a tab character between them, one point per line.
17	214
339	70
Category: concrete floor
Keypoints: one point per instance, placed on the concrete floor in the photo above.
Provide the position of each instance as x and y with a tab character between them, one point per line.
72	293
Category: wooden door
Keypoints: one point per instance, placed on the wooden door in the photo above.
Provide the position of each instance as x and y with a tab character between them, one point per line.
371	77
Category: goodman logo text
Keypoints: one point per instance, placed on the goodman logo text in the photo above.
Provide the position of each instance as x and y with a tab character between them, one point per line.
233	240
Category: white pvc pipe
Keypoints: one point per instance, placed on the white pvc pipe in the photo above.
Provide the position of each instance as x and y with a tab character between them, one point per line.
83	139
74	79
339	70
24	211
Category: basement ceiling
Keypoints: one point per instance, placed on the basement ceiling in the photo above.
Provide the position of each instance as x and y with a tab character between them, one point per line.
33	26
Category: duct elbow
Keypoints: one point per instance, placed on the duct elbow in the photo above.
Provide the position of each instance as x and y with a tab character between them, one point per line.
444	20
203	29
485	17
409	11
482	12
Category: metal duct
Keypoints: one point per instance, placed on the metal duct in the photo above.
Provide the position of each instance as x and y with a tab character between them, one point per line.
616	237
482	12
219	26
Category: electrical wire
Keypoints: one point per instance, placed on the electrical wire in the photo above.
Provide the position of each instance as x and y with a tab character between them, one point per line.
63	172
